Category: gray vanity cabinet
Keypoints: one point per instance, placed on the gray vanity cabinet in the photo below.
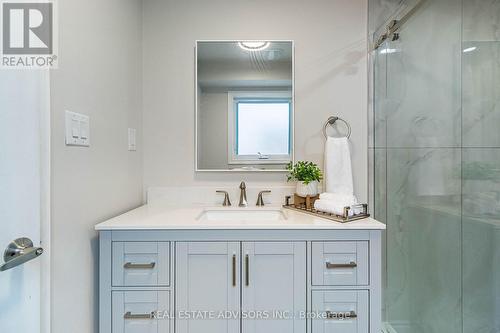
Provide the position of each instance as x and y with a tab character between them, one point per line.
240	281
207	275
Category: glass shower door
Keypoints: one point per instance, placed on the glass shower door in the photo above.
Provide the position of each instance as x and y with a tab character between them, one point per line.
435	172
417	169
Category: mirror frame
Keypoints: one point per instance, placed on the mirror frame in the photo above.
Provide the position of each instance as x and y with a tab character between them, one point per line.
197	169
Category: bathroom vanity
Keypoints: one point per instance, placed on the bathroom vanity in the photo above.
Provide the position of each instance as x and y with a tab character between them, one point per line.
230	270
239	270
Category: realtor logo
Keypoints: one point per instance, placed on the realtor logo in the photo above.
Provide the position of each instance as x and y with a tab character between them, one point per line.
27	28
28	34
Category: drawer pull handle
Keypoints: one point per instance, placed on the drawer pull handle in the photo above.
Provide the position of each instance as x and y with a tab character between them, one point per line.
247	270
130	265
130	315
335	315
352	264
234	270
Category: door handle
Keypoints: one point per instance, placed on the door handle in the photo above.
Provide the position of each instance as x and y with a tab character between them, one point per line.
130	315
130	265
18	252
352	264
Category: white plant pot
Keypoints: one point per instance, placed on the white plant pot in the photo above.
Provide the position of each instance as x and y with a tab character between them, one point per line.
310	189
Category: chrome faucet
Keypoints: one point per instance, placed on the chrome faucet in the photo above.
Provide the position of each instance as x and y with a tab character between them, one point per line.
260	199
243	195
226	202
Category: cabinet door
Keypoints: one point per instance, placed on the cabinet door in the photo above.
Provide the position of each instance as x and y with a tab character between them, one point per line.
274	287
207	284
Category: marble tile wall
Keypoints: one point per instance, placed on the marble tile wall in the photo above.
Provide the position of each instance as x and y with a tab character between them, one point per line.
377	137
380	184
423	239
423	100
481	166
480	274
481	20
481	94
496	280
481	236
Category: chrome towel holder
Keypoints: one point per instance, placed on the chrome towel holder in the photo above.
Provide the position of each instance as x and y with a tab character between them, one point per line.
332	120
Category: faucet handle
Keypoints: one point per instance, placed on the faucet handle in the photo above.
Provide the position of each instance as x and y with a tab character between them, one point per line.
260	200
226	202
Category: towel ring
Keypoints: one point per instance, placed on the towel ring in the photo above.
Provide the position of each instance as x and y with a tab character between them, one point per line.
332	121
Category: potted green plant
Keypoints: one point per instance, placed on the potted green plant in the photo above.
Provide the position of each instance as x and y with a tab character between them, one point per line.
307	175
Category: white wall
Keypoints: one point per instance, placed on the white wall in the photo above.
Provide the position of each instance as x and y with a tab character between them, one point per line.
212	122
331	77
100	75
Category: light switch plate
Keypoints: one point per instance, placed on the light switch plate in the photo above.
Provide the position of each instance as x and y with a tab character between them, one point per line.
132	139
77	129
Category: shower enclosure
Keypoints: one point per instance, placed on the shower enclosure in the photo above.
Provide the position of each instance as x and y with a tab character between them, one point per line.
435	162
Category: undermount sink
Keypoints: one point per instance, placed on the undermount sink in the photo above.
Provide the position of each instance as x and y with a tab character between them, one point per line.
243	214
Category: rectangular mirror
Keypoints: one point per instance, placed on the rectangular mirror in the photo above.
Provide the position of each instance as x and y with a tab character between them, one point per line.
244	105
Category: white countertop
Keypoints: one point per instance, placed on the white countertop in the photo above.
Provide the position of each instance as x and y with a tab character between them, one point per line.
171	218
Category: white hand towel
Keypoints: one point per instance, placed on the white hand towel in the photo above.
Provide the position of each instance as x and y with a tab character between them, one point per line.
333	207
338	168
335	203
348	199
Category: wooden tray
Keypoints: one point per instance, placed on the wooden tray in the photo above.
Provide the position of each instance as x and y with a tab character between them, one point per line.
337	218
308	201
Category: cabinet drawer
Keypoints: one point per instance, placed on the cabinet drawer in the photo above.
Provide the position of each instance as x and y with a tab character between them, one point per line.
340	263
344	311
132	311
141	264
